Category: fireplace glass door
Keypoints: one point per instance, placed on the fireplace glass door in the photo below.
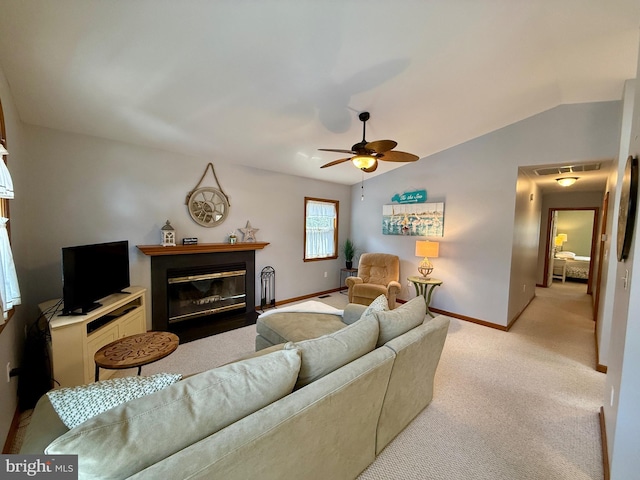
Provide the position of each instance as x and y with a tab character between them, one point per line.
197	295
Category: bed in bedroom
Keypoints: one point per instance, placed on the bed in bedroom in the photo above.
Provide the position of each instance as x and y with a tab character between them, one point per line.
577	266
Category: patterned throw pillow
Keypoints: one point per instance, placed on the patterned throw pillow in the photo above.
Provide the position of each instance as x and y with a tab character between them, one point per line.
380	304
75	405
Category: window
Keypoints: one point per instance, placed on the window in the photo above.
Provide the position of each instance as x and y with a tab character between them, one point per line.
4	204
320	229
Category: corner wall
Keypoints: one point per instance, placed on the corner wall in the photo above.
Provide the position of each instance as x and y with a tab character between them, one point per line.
622	385
609	262
12	336
477	181
91	190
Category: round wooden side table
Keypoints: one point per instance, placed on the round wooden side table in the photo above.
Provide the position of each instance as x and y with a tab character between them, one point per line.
424	286
135	351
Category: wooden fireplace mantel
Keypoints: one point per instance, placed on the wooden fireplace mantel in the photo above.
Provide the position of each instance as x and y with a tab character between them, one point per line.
156	250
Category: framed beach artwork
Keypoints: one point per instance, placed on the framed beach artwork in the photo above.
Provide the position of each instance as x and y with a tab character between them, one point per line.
417	219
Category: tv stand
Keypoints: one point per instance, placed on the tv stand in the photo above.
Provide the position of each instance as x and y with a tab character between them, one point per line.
76	338
83	311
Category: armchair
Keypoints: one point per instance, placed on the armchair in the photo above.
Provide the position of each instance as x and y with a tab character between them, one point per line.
378	274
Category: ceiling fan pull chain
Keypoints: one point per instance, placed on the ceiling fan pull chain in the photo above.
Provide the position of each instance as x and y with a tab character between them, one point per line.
362	188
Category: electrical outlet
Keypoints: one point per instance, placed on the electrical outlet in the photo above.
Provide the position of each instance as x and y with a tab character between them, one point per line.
325	274
8	372
524	287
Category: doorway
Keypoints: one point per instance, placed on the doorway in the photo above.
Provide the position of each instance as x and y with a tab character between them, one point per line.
570	241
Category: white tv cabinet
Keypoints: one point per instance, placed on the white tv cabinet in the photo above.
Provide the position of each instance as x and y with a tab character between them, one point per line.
76	338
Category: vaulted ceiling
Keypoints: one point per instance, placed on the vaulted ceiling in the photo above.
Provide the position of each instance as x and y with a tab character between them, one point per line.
267	83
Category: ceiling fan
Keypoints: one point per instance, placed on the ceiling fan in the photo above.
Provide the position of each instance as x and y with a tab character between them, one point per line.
365	155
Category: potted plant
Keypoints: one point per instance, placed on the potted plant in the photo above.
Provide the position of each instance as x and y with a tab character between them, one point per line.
348	249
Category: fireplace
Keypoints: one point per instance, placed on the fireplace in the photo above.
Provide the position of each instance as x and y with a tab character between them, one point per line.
198	291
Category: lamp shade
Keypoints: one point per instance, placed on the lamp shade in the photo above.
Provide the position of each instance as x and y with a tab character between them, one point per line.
363	161
557	241
566	181
424	248
563	237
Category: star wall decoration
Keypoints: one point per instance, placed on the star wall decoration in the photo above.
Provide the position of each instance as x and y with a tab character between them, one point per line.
249	233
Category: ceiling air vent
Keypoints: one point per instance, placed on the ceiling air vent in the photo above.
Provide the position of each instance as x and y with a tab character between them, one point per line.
588	167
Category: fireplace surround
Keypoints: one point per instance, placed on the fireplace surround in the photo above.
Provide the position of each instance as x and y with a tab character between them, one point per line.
202	290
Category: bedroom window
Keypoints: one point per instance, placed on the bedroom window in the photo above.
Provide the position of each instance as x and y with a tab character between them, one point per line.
320	229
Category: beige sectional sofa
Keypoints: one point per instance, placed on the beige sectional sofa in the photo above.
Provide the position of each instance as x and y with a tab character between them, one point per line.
314	409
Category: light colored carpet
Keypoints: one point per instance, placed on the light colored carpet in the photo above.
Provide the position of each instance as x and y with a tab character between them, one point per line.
510	405
507	405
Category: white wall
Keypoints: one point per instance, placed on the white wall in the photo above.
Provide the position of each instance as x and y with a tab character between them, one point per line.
524	256
609	262
12	336
88	190
477	181
622	386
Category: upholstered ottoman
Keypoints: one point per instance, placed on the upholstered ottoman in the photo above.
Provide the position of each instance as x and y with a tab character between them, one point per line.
289	325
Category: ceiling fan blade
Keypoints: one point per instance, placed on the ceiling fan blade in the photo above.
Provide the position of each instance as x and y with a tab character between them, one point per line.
381	146
335	162
372	168
396	156
337	150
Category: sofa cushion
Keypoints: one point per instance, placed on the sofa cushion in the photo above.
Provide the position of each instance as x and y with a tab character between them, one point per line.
352	313
141	432
75	405
400	320
296	326
323	355
44	427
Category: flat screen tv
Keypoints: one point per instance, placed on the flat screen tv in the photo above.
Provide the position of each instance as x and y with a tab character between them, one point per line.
92	272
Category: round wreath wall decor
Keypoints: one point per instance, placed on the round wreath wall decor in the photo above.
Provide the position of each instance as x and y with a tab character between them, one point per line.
208	206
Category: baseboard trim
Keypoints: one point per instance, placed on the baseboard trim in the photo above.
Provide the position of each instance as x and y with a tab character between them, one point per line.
13	430
605	447
469	319
304	297
399	300
599	367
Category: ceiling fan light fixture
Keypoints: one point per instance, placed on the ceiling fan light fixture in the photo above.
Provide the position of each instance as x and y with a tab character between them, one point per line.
566	181
363	161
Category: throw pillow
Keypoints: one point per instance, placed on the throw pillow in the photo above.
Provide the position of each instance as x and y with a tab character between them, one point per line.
380	304
400	320
132	436
323	355
75	405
